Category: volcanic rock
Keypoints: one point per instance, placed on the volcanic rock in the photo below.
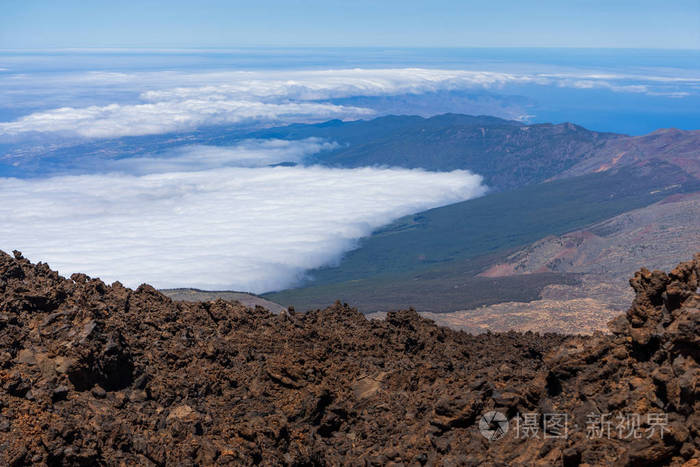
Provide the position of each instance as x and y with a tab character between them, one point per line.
96	374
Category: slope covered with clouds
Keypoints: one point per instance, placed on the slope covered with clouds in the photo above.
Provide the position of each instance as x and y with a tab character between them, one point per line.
220	226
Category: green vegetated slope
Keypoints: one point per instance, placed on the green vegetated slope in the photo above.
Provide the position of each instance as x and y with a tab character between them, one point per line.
428	260
448	288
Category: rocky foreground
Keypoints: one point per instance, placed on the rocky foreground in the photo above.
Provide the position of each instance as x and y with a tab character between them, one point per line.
93	374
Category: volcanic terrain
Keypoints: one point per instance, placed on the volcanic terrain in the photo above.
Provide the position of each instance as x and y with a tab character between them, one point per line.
96	374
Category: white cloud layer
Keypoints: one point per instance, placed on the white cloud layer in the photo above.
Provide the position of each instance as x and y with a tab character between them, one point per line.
242	228
169	101
116	120
247	153
172	101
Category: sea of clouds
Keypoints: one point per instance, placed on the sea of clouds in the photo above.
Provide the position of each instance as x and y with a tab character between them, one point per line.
226	217
221	226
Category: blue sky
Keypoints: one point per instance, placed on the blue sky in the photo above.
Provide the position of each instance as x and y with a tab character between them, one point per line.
41	24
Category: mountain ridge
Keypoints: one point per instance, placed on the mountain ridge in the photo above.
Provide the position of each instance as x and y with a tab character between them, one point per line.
507	153
667	162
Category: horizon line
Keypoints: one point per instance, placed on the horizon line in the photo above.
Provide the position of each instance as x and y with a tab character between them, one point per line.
330	47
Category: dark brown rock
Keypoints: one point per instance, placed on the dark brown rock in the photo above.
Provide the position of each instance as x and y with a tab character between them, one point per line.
93	374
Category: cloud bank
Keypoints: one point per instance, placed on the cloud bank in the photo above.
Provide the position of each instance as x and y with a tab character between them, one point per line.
242	228
172	101
246	153
116	120
168	101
